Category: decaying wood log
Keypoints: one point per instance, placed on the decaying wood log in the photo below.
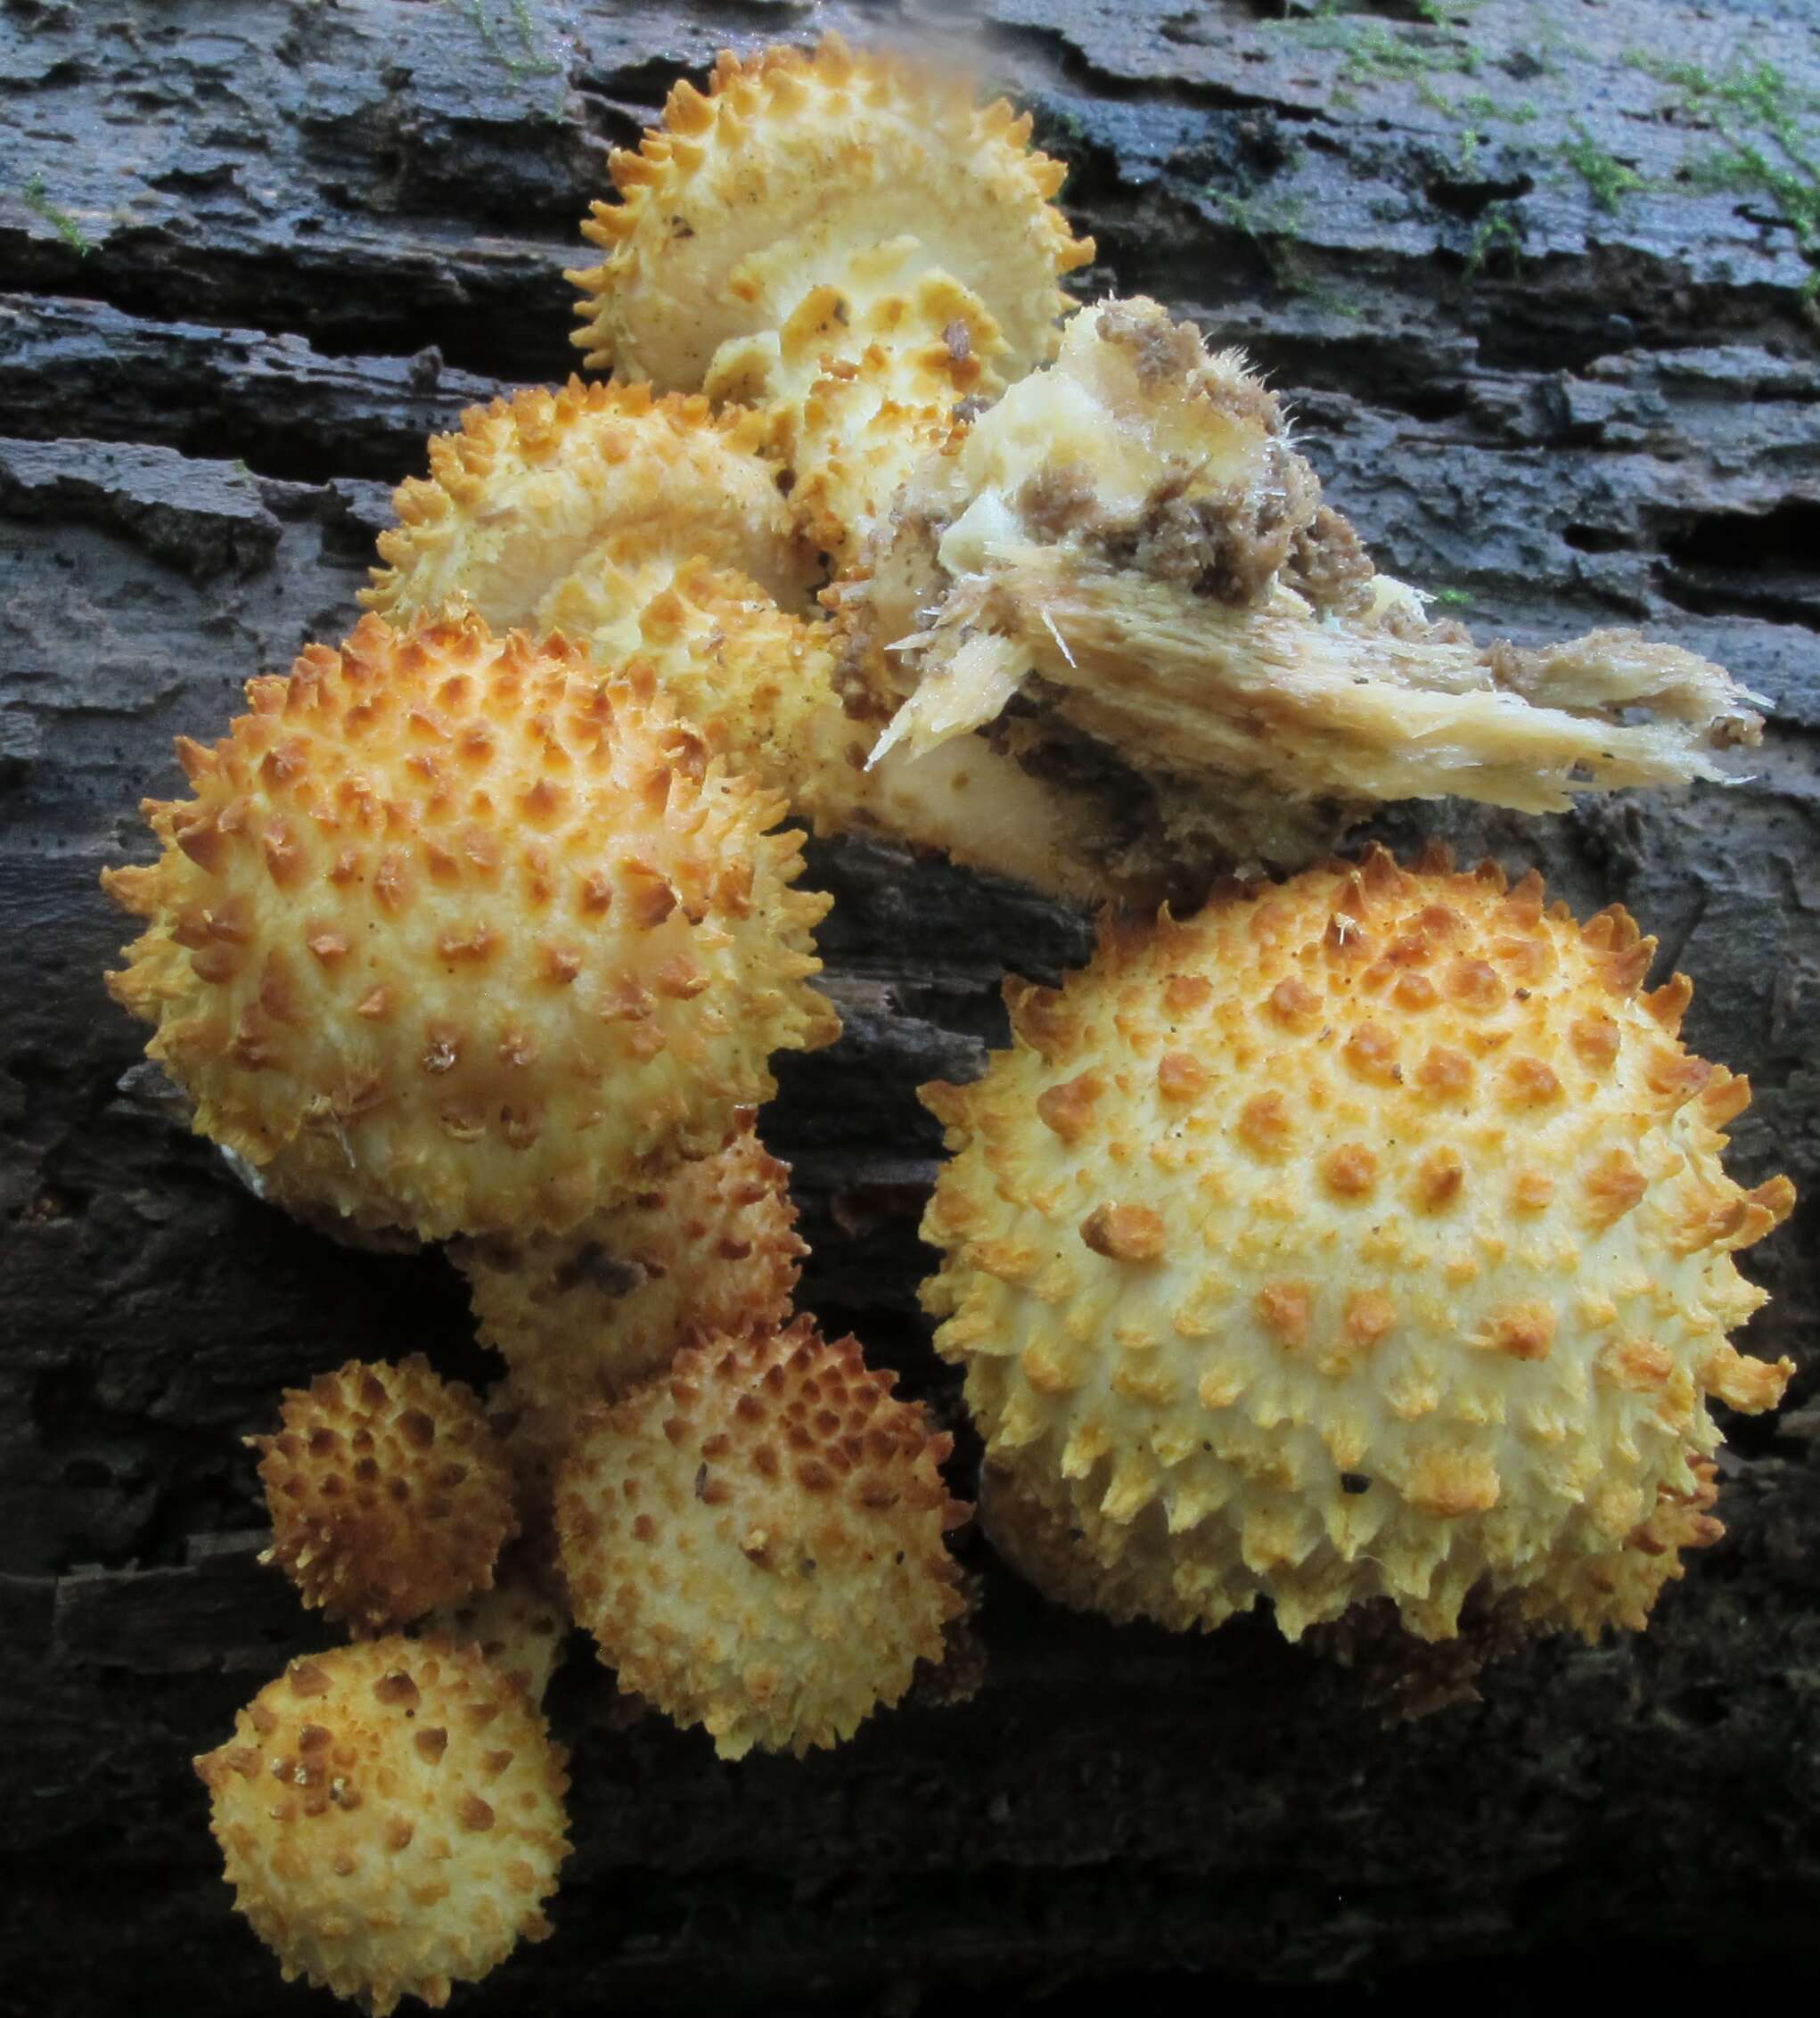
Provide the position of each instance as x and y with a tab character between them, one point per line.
1550	340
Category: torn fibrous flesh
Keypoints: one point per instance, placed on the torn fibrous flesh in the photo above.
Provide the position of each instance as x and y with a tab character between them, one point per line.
1125	555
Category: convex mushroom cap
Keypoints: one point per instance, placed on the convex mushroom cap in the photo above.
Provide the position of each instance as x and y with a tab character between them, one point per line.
711	1248
787	171
387	1491
756	1543
1364	1235
391	1817
458	934
607	484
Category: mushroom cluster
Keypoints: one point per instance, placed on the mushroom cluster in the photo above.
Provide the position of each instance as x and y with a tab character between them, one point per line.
1352	1237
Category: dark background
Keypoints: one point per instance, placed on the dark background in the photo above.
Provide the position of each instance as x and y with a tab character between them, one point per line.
1539	282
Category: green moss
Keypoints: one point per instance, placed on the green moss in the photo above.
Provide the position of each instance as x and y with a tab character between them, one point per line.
1481	109
529	58
1767	125
1768	139
1331	302
1606	178
1498	234
1261	221
1374	55
1273	226
1482	106
38	202
1452	598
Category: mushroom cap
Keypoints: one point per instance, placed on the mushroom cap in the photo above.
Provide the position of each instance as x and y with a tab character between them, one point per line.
757	1543
596	482
711	1248
861	382
850	153
520	1625
389	1493
1361	1236
457	934
1586	1593
649	530
391	1816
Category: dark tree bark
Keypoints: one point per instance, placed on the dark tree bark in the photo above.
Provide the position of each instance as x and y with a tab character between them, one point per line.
1550	340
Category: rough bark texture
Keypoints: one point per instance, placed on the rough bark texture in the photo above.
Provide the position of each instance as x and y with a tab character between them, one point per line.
250	254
